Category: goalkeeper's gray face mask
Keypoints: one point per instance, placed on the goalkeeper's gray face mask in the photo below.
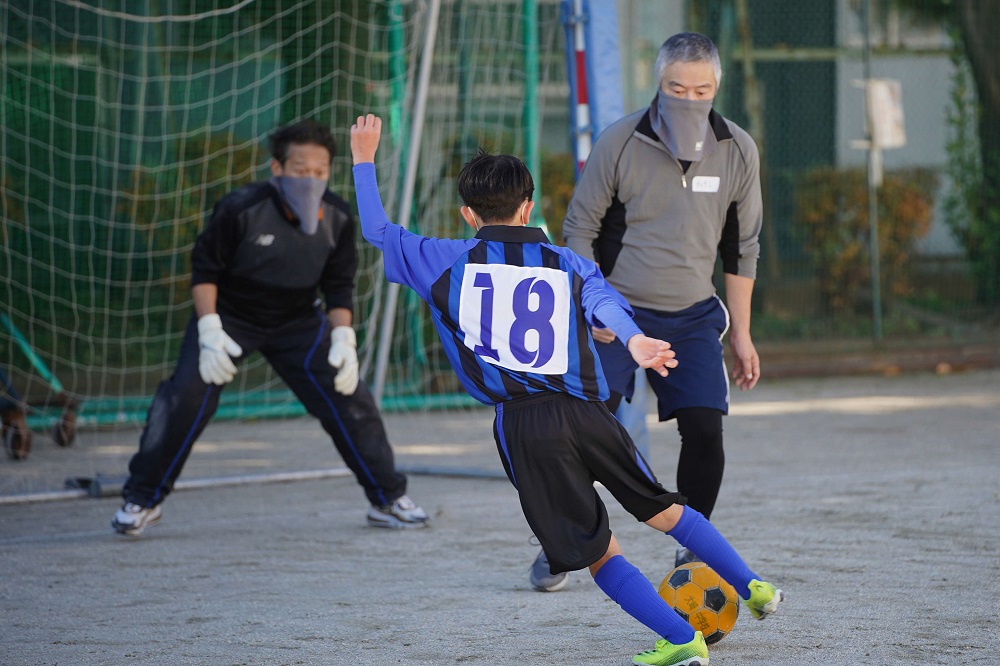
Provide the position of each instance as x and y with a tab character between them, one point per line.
682	125
303	195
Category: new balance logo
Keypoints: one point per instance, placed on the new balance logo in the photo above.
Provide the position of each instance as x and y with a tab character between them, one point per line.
264	240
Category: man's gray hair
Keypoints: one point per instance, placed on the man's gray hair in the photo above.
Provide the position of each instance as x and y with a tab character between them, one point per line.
688	47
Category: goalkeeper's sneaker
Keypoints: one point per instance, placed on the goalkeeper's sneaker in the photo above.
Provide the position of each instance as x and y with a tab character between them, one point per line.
665	653
542	579
764	599
401	514
132	519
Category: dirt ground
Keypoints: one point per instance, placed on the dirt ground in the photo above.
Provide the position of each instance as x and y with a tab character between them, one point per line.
873	501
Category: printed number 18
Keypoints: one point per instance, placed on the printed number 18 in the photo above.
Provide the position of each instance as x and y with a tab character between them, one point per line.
525	319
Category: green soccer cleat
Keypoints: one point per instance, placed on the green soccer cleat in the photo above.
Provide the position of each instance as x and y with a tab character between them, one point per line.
665	653
764	599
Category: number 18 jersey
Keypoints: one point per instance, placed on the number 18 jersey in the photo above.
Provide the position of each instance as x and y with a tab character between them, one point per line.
513	311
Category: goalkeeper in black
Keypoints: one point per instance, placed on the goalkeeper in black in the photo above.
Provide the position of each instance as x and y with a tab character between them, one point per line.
269	250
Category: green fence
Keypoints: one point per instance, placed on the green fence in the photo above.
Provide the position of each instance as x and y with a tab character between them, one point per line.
121	123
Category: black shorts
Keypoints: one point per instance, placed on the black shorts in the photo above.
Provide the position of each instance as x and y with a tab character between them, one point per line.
554	447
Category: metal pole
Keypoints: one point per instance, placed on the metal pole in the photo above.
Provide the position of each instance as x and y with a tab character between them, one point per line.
396	128
409	182
754	104
874	166
397	69
531	119
583	127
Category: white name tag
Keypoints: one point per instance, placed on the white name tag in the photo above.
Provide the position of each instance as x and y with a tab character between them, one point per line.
705	184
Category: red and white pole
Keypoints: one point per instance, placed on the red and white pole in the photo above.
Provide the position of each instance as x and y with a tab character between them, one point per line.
584	129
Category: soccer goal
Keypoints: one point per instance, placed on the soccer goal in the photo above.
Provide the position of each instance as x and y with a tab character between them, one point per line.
121	124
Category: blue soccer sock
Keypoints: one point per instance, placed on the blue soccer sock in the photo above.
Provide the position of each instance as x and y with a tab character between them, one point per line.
626	586
700	537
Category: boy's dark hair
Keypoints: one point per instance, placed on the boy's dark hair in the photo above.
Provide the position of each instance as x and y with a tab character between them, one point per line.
495	186
300	133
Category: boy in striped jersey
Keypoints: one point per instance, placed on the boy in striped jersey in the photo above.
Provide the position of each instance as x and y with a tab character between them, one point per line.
514	314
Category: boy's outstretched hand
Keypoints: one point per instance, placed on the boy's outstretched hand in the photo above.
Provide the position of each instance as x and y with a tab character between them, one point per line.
652	353
364	138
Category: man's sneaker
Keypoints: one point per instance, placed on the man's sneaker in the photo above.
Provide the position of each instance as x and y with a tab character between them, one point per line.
685	556
402	513
540	577
132	519
665	653
764	599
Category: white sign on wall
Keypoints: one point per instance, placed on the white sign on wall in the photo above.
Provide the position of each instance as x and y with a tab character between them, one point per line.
885	111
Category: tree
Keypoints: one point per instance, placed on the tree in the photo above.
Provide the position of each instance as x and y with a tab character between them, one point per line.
974	24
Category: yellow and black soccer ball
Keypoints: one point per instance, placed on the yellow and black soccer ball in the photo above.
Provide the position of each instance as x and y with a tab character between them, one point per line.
700	596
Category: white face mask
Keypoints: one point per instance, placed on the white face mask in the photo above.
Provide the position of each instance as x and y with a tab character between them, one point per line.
681	124
303	194
478	220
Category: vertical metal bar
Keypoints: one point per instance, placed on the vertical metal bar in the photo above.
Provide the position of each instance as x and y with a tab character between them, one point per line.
531	120
396	127
581	115
755	112
873	165
409	182
397	70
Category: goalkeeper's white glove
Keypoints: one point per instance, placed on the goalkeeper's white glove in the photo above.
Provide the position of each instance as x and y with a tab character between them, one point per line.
344	357
214	363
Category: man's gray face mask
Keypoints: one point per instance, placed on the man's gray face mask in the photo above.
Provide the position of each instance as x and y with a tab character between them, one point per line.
303	194
682	125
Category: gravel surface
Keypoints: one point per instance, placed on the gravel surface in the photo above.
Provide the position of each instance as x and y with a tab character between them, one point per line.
873	501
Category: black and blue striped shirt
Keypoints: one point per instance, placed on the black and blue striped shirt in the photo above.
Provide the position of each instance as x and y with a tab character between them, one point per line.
513	311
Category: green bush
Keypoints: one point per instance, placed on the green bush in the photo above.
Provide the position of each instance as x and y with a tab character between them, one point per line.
557	183
831	219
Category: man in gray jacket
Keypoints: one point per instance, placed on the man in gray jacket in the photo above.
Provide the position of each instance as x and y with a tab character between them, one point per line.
665	191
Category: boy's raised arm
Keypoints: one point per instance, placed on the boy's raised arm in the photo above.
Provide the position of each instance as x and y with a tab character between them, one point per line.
365	136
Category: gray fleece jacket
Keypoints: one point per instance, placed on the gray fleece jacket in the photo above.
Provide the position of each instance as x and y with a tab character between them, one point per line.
655	229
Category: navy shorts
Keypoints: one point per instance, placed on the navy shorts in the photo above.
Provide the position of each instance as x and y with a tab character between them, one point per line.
695	334
554	447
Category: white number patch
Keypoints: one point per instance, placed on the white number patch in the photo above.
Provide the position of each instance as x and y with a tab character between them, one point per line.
516	317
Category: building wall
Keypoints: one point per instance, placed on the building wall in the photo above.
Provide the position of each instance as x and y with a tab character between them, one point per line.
925	76
806	122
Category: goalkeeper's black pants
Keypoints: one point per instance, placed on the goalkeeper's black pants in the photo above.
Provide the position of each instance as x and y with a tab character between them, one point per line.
297	350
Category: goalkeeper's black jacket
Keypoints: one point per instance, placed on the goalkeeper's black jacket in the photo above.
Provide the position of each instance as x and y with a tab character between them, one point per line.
267	270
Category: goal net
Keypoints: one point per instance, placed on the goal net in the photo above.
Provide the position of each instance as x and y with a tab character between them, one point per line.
122	123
